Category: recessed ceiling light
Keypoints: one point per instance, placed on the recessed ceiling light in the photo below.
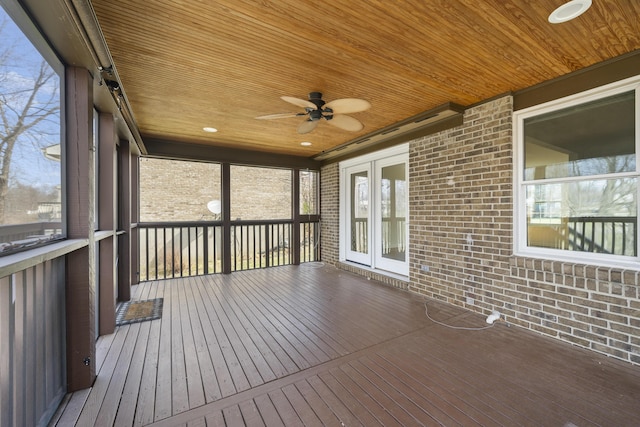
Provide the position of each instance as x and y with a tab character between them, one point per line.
569	11
209	129
305	143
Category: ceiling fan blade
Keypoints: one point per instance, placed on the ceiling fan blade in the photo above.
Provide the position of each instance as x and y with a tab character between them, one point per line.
346	123
299	102
279	116
348	105
307	126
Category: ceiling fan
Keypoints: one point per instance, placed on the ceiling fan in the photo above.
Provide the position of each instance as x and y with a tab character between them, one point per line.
316	109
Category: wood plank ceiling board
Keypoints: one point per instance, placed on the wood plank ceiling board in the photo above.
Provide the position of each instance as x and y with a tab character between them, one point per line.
185	64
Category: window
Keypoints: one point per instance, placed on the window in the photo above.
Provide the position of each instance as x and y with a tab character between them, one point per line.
309	192
31	80
576	176
260	193
175	190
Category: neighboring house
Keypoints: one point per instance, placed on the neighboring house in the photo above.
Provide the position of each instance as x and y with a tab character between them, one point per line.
467	217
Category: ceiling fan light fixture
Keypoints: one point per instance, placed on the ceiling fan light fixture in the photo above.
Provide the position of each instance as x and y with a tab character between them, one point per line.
569	11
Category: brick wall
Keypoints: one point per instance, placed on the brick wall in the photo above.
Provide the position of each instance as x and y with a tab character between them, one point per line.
173	190
461	230
329	213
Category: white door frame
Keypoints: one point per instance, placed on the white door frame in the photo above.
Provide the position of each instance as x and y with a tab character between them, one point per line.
372	162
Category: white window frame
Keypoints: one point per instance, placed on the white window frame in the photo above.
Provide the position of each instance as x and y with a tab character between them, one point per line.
520	247
368	161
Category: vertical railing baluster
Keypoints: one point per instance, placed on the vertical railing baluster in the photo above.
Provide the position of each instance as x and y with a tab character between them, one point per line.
260	247
253	238
291	243
235	248
215	248
198	255
155	248
205	255
147	257
188	229
173	253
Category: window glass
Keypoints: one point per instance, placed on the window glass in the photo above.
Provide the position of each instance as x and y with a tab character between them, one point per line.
260	193
579	178
172	190
594	138
30	139
592	216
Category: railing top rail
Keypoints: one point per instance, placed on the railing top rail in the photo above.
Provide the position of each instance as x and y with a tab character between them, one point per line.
168	224
629	219
159	224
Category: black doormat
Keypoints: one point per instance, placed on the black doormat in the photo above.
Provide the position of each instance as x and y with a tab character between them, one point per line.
139	311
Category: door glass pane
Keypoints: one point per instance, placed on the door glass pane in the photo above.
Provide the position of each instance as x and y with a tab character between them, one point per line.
359	212
393	212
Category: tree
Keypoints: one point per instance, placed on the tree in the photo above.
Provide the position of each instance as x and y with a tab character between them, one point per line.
29	95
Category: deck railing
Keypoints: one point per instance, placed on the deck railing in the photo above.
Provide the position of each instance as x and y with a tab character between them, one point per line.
180	249
610	235
393	235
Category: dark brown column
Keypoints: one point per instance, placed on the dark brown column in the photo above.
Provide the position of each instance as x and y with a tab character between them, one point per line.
124	222
134	219
226	217
295	214
107	205
80	291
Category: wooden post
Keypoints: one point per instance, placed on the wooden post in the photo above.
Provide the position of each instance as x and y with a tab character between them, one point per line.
107	203
295	214
134	218
226	217
124	223
80	290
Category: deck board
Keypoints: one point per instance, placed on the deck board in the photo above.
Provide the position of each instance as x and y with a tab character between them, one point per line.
294	345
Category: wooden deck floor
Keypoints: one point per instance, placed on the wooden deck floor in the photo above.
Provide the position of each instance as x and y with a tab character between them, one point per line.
319	346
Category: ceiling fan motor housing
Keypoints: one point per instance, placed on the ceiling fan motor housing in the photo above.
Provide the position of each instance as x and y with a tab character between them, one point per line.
316	98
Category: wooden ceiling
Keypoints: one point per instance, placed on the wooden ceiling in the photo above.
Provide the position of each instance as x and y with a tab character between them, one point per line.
187	64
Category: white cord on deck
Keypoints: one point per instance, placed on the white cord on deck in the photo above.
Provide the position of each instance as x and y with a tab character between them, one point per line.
426	311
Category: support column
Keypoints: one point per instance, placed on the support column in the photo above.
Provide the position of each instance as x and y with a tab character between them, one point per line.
226	217
124	222
80	289
134	219
295	214
107	202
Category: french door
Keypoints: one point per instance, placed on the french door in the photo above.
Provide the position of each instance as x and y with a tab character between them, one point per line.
375	200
